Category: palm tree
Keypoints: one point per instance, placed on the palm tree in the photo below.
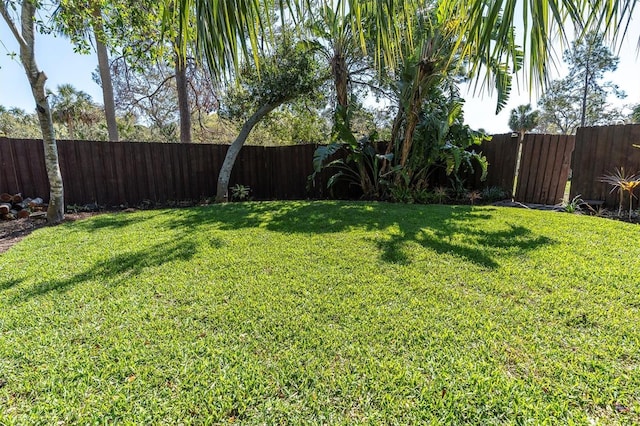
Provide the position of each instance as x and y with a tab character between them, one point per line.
82	21
523	119
482	30
71	106
542	20
226	29
334	38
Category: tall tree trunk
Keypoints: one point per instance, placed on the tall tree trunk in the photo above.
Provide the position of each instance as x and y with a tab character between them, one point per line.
340	79
55	211
70	127
37	79
412	123
105	75
183	100
585	91
395	132
340	74
234	149
424	71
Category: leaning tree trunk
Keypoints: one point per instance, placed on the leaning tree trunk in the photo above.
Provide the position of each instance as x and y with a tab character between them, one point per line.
183	99
105	76
234	149
37	79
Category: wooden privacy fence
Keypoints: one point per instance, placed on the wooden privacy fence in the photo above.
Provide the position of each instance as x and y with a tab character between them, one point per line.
544	168
501	152
599	151
545	161
116	173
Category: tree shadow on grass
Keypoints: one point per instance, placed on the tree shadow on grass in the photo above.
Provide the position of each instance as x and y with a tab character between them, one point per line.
456	230
480	247
6	284
113	221
118	269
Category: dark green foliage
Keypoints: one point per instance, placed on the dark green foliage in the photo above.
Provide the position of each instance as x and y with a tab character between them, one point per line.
287	73
359	165
494	193
523	119
442	141
635	114
17	123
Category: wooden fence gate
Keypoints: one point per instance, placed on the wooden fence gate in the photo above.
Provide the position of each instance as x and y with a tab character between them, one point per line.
545	163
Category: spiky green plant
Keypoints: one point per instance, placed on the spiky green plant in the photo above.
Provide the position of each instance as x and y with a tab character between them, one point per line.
440	193
622	183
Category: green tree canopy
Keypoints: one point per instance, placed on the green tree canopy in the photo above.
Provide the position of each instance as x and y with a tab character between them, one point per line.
523	119
580	99
635	114
75	109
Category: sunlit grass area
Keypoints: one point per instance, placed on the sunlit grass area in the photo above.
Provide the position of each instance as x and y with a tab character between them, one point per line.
323	312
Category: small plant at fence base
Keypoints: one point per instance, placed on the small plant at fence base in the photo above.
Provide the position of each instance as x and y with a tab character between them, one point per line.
440	194
623	184
240	192
493	194
573	206
474	196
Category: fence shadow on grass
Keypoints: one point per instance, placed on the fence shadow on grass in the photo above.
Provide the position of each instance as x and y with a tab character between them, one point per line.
456	230
116	270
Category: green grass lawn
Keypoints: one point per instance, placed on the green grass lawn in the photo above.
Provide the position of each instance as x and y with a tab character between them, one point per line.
323	312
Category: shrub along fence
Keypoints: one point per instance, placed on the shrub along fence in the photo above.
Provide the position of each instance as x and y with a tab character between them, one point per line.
126	173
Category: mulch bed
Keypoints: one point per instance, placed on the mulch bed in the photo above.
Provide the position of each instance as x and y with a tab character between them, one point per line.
12	231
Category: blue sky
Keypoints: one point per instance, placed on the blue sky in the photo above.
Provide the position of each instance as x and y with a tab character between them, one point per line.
56	58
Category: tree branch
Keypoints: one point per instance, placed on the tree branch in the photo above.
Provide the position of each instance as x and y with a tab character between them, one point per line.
155	92
388	94
12	26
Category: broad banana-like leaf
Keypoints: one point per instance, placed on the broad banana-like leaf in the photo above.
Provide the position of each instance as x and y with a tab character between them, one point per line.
322	153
